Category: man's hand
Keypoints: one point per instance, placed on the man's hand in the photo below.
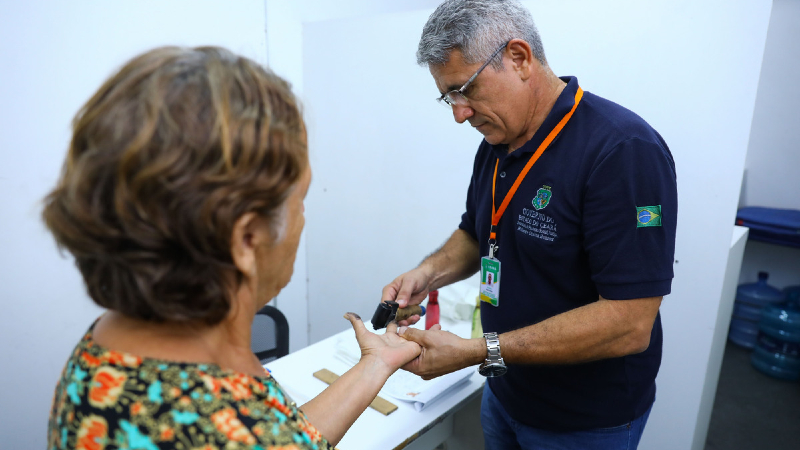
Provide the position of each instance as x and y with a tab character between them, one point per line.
442	352
410	288
457	259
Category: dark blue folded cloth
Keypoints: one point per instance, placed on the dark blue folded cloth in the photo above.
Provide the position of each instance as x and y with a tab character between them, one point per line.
778	226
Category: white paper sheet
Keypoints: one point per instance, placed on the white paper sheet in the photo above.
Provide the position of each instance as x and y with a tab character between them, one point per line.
421	393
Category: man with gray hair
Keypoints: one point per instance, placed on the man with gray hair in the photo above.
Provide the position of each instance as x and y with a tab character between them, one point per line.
571	210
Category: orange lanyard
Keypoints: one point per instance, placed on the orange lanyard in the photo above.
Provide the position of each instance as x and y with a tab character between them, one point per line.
498	213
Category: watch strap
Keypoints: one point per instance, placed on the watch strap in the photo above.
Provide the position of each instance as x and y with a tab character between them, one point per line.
492	348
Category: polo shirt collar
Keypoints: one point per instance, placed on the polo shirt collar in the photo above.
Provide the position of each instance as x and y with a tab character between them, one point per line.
563	104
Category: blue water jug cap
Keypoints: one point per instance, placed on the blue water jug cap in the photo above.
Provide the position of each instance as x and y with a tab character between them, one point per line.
760	292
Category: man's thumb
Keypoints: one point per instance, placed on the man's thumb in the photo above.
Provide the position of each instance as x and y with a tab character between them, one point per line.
411	334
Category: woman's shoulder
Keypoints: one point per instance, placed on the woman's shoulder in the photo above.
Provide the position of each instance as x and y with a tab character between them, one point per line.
110	396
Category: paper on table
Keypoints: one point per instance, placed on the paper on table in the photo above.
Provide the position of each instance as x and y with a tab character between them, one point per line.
347	348
421	393
404	385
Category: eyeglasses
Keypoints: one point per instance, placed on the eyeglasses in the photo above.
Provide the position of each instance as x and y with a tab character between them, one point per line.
456	97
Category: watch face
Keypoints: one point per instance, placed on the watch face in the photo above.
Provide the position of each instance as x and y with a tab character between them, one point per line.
493	370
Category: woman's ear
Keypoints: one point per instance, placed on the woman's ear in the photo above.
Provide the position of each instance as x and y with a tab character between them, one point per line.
244	240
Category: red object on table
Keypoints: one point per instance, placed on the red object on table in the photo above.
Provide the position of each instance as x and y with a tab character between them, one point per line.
432	311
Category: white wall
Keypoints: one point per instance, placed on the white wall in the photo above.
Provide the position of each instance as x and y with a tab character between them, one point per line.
719	337
391	168
773	155
55	54
284	36
772	176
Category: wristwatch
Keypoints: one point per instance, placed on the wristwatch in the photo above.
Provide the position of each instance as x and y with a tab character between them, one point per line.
494	366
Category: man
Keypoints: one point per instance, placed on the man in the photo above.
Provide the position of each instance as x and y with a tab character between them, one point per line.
571	210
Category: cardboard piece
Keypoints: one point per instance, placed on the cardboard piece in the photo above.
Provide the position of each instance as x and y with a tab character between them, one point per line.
381	405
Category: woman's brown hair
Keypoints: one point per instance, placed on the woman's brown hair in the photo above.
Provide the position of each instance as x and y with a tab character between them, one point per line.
164	158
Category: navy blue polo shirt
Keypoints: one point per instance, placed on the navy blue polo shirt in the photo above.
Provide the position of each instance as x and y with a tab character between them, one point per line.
595	216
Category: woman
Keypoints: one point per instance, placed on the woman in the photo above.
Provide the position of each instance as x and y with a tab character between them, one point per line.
181	199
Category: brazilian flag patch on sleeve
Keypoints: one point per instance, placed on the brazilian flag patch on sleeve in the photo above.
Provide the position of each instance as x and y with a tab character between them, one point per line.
648	216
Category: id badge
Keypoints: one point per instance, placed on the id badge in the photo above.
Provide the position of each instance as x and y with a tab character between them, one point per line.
490	280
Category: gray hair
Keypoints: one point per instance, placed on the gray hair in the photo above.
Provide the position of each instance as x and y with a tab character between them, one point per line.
476	28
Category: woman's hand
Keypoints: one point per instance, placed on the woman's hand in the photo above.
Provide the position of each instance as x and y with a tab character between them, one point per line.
336	409
387	350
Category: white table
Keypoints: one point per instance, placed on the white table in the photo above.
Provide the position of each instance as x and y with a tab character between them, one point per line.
404	428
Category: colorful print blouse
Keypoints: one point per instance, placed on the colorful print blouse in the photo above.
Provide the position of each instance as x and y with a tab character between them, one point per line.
113	400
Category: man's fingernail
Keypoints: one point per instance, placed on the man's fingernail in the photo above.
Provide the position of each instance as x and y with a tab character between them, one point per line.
401	331
355	316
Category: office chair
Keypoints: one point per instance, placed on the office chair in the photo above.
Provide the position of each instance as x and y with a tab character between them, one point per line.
270	339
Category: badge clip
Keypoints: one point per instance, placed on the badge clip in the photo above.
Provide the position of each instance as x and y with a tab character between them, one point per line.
493	248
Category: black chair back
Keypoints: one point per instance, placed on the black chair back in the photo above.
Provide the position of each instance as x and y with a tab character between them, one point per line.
270	338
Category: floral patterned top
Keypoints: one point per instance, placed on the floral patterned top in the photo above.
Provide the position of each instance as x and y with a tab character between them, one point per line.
113	400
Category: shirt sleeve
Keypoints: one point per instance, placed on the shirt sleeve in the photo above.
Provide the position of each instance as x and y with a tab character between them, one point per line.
629	220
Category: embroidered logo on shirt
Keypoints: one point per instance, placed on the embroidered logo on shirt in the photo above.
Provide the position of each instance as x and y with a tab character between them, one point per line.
543	196
538	225
648	216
